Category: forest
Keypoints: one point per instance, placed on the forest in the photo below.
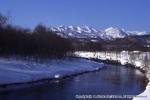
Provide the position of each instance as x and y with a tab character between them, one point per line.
15	40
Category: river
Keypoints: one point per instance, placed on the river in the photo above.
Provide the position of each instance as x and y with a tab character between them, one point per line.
110	80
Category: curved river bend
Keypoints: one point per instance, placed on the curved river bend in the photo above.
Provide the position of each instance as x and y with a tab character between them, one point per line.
110	80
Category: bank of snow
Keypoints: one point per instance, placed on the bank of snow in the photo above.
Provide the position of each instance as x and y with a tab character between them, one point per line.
22	71
146	94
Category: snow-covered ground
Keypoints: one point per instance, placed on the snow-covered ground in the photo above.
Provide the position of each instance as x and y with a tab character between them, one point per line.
21	71
146	92
138	59
145	95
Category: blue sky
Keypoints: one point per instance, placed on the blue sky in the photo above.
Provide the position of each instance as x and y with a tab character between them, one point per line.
127	14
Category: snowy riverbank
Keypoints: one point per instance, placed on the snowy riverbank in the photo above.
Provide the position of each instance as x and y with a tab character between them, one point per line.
138	59
21	71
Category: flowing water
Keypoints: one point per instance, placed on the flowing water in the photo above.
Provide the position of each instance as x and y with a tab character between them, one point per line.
110	80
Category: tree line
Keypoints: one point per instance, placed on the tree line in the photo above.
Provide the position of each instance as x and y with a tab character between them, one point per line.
41	41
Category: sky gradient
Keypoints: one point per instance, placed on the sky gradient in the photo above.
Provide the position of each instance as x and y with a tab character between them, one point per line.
101	14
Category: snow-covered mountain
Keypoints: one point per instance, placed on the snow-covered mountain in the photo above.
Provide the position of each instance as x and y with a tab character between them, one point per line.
92	33
115	32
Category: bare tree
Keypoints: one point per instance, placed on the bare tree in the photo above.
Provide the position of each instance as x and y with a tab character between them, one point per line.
3	20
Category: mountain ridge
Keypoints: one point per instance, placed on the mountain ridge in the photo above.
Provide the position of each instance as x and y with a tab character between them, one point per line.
92	33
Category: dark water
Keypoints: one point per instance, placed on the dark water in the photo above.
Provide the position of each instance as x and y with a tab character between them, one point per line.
111	80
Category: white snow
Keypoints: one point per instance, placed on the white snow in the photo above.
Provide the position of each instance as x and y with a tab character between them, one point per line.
145	95
79	29
57	76
137	33
90	32
87	29
20	71
71	27
115	32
